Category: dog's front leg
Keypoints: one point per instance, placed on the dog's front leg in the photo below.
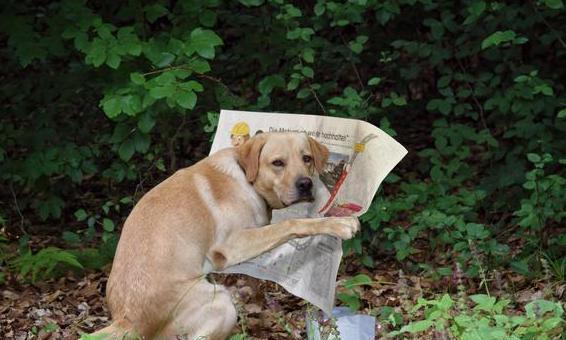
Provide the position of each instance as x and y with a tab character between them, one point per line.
245	244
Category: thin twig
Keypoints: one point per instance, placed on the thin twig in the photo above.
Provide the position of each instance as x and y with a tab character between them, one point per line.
216	80
313	91
170	68
317	99
186	68
22	220
352	63
476	101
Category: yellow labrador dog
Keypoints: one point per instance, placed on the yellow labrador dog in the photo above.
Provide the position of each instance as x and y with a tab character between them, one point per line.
213	214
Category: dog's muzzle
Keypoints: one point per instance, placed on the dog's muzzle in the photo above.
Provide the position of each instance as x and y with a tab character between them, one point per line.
304	189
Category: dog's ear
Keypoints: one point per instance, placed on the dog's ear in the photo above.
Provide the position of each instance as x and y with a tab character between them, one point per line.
248	155
319	154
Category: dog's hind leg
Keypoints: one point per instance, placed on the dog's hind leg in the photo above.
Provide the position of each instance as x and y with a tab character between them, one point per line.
205	311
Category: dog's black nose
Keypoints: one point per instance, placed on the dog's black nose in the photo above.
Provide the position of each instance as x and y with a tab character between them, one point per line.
304	184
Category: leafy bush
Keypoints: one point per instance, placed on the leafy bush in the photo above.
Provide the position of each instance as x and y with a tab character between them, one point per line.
100	98
43	264
488	320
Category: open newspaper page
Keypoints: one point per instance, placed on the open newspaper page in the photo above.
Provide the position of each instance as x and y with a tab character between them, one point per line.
361	155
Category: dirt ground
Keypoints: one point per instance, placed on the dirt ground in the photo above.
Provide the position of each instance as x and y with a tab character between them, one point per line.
72	305
67	307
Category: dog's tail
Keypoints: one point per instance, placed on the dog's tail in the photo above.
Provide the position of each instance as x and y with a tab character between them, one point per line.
113	332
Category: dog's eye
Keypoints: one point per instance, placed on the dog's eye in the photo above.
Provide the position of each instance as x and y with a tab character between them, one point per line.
278	163
307	159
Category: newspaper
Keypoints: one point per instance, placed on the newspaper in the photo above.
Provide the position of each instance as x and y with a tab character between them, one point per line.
361	155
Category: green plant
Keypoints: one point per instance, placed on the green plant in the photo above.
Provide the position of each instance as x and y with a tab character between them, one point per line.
488	319
554	268
350	296
48	328
547	201
44	263
102	102
3	258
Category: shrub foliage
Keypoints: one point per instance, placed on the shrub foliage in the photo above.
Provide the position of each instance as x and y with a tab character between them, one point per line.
101	97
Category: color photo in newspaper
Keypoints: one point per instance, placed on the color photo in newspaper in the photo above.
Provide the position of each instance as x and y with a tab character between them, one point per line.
361	156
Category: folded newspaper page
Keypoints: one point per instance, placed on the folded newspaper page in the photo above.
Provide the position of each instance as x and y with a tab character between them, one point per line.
361	155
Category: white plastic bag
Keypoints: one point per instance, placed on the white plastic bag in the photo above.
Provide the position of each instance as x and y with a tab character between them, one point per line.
351	326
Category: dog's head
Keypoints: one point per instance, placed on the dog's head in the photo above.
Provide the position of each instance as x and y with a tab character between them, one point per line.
281	166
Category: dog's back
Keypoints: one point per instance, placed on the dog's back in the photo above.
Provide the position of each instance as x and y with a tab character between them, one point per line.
208	214
145	284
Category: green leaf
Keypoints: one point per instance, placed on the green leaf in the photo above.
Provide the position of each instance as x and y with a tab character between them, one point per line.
207	18
307	72
303	93
81	42
154	12
162	91
539	308
444	81
522	78
203	43
251	3
374	81
356	47
126	150
444	271
416	327
521	267
108	225
437	30
128	42
191	85
141	142
112	107
199	65
477	8
293	11
187	99
70	237
550	324
97	53
293	84
113	60
351	300
294	34
544	89
484	302
267	84
165	78
131	104
445	303
399	100
444	106
498	38
561	114
533	158
319	9
164	59
137	78
554	4
308	55
146	122
358	280
81	215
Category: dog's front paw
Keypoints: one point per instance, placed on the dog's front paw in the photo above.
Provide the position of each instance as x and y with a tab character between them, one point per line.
344	227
